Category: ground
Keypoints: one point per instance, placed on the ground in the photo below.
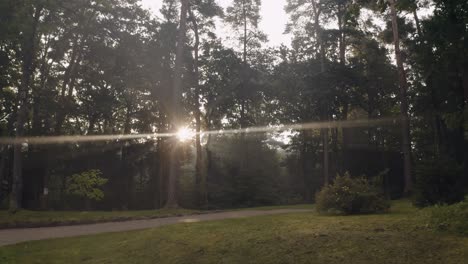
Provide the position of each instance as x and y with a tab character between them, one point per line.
400	236
26	218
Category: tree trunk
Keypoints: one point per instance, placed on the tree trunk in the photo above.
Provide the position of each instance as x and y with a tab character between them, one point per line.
209	158
5	162
244	13
3	178
465	83
326	164
405	123
29	50
417	22
342	37
176	99
303	167
43	197
342	56
200	173
88	204
324	131
126	183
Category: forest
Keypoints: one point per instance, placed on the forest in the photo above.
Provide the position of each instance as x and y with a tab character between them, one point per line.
107	106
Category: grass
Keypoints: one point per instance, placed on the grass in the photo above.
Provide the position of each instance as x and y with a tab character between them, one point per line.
26	218
266	208
450	218
397	237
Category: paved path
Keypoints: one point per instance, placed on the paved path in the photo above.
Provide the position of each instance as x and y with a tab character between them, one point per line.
14	236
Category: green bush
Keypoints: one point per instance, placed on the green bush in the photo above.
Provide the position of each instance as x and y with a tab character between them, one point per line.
351	196
452	218
438	181
87	185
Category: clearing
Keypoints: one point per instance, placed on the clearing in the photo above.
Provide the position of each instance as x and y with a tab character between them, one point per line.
400	236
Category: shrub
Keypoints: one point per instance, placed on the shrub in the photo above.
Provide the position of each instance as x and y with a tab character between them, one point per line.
438	181
351	196
87	185
452	218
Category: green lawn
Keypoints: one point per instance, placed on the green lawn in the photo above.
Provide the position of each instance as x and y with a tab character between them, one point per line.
399	237
25	218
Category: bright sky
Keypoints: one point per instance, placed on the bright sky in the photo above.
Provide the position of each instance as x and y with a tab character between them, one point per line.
273	22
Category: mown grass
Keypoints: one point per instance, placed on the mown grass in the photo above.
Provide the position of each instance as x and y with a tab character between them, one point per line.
397	237
26	218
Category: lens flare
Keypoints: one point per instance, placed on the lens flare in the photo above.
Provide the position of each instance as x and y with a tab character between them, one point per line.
185	134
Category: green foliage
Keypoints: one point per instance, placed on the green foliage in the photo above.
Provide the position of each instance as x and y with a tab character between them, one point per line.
350	196
259	180
87	185
453	120
245	14
438	180
107	67
240	9
452	218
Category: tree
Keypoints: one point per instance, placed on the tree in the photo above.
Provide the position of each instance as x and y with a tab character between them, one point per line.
244	18
90	75
100	69
175	105
87	185
405	122
315	10
28	43
201	14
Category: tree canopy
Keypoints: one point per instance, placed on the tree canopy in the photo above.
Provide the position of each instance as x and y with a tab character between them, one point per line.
110	67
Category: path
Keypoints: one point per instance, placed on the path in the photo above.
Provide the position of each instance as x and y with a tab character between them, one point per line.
14	236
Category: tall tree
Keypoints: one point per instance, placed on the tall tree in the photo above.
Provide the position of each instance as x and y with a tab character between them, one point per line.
175	112
29	39
405	122
313	11
201	14
244	18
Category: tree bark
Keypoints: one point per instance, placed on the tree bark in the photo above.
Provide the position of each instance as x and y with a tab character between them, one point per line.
200	173
127	173
175	111
417	22
324	131
3	161
342	37
29	45
303	167
244	13
405	123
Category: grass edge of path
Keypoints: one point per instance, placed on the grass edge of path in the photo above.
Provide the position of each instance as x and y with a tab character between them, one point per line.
36	219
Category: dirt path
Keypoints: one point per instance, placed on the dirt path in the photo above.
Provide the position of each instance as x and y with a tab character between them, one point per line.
14	236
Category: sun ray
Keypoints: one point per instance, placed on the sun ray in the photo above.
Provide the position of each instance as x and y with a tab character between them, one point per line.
185	134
